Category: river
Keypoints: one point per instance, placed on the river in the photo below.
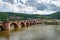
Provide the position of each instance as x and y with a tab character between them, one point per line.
34	32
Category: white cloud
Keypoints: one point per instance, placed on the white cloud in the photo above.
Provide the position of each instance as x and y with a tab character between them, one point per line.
24	1
43	12
57	3
31	6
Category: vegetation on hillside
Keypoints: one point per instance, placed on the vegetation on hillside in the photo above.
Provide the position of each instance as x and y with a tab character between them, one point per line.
17	16
21	16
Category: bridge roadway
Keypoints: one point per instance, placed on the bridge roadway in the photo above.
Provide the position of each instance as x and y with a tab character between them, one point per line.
17	24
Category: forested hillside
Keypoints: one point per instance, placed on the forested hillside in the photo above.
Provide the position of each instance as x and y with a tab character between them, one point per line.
22	16
17	16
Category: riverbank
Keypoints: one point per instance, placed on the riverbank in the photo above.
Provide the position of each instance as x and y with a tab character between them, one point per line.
50	21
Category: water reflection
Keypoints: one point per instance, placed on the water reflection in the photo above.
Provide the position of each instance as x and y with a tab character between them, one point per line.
36	32
4	35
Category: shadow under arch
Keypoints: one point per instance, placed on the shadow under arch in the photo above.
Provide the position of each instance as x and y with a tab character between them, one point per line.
13	26
22	25
27	24
31	23
1	28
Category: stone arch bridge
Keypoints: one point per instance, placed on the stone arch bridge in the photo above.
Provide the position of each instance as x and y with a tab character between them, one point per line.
7	25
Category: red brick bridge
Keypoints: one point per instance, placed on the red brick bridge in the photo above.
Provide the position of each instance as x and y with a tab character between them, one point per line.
7	25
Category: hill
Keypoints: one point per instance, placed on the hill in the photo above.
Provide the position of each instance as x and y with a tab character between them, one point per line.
55	15
22	16
17	16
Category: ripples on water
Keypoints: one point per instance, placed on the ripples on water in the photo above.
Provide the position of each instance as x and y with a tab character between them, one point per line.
35	32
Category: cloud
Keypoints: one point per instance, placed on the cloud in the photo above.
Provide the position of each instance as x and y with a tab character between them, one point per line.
30	6
57	3
9	1
44	5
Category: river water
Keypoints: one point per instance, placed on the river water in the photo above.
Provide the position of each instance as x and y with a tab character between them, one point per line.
34	32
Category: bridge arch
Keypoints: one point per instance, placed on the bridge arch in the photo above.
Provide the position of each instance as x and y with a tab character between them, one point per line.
31	23
22	24
34	22
27	24
13	26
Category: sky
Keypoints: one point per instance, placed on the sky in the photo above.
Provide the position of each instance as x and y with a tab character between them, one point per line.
30	6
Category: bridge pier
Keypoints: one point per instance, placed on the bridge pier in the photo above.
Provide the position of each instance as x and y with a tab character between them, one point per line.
7	26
